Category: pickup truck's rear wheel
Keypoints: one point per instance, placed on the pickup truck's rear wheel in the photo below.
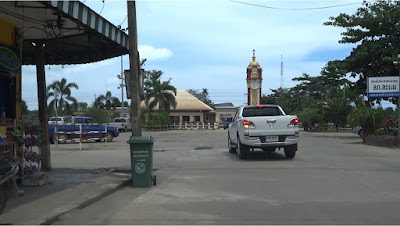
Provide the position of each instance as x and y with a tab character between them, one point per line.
290	151
62	138
241	149
231	148
109	136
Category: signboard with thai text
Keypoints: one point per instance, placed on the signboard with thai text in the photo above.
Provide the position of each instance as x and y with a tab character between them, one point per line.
9	59
379	87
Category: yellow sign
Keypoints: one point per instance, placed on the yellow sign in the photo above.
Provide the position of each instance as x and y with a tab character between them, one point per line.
3	132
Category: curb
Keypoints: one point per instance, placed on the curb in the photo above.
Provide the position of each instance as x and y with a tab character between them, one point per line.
54	205
86	203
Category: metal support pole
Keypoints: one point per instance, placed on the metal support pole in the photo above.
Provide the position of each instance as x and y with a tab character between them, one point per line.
122	87
55	137
134	69
41	89
398	105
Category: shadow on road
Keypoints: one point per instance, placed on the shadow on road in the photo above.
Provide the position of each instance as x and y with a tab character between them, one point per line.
259	156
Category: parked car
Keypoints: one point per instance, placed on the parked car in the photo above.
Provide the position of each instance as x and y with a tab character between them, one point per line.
358	130
226	121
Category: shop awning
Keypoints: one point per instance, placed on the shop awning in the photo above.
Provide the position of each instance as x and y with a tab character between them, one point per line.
71	32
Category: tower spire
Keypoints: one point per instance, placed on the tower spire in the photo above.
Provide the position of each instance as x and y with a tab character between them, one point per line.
254	55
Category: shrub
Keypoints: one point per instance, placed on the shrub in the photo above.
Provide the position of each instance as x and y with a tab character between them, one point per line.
309	117
157	119
368	118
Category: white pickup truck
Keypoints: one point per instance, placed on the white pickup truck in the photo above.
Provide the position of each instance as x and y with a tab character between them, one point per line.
123	124
263	126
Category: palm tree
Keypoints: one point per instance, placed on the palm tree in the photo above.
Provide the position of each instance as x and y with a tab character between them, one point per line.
157	92
107	101
64	99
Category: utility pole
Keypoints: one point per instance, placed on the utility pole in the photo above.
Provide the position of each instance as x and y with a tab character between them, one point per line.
55	137
41	90
398	104
134	69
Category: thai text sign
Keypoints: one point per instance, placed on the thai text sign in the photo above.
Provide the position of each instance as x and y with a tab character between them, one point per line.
379	87
9	59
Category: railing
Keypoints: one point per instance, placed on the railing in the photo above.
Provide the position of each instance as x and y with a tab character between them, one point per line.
82	136
185	126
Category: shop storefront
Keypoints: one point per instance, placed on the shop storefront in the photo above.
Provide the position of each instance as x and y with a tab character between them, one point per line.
44	33
10	69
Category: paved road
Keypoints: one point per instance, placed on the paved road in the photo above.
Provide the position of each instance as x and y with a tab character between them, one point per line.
334	179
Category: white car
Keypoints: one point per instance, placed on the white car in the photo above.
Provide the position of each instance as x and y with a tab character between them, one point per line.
263	126
358	130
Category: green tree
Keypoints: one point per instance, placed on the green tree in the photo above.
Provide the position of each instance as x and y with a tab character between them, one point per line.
288	99
99	114
368	118
159	93
309	117
24	108
337	106
374	29
203	96
65	100
107	101
80	107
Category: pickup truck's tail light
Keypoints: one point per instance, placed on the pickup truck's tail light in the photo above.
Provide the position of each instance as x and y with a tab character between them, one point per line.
248	124
294	122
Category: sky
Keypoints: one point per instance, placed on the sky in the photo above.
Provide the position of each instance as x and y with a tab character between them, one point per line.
209	43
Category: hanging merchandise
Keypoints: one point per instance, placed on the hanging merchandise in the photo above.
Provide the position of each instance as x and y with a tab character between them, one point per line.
32	176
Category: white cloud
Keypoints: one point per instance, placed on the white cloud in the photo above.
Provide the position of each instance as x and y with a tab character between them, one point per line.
152	53
207	44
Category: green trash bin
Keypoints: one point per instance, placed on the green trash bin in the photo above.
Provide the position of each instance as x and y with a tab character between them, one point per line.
142	161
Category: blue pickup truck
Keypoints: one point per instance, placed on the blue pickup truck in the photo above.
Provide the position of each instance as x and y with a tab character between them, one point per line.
91	129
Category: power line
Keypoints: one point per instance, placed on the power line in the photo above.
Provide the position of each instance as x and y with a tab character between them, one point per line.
123	20
296	9
102	7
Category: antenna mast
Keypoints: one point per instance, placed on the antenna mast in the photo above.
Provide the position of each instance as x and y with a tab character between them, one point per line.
281	75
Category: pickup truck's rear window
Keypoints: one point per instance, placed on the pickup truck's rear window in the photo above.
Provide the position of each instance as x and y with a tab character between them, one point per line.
266	111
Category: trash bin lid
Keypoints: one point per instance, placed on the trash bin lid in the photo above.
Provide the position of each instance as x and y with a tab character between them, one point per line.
141	140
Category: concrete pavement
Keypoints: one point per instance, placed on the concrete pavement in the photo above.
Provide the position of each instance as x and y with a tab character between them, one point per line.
44	204
334	179
81	177
183	160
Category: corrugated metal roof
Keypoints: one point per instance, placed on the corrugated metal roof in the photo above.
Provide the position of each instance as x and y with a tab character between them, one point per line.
71	32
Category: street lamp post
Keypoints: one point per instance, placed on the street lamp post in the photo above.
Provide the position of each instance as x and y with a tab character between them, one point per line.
122	88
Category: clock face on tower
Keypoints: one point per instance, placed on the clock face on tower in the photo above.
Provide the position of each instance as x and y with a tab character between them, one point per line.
254	84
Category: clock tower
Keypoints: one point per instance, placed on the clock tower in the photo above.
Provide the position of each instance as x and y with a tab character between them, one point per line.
254	81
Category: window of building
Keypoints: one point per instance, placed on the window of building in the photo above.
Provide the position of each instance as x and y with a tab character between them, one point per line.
186	118
197	118
174	119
